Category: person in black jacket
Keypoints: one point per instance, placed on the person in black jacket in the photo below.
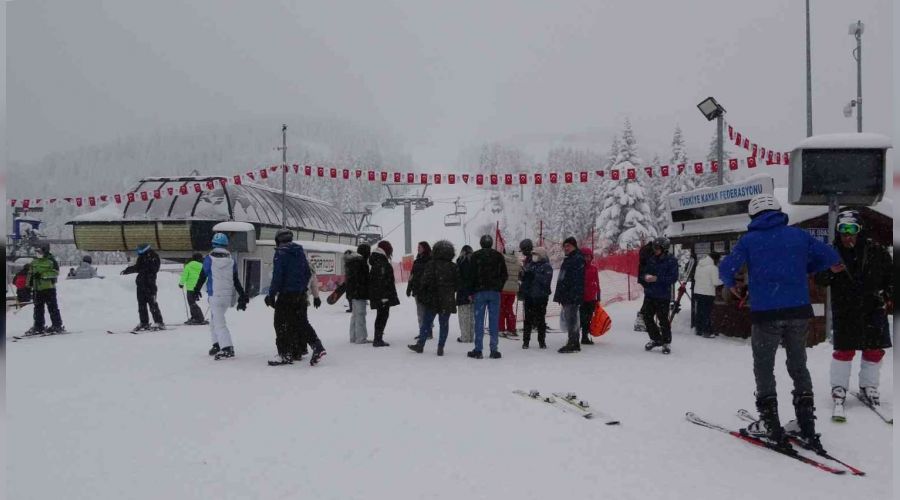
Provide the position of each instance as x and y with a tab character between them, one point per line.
486	281
437	292
570	292
146	267
464	296
423	257
382	289
862	297
535	291
356	270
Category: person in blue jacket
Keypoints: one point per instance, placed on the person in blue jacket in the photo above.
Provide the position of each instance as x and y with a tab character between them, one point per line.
657	273
779	260
291	276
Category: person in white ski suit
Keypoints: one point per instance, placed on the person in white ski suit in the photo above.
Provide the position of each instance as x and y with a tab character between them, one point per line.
222	289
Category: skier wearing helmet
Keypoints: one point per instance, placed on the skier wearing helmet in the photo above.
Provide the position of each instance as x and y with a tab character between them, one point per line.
862	297
778	260
146	267
222	288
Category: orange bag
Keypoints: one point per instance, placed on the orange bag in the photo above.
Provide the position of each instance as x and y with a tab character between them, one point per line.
600	322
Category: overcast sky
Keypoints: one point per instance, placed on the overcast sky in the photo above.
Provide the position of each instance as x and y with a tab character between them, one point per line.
440	75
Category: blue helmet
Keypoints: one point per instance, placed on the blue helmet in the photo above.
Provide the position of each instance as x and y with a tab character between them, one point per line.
220	240
142	248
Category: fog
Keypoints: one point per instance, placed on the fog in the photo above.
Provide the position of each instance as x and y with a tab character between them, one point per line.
438	76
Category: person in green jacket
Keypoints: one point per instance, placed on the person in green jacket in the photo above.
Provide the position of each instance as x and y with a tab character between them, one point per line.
42	281
188	281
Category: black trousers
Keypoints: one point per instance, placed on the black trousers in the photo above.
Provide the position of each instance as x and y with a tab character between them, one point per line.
585	314
293	332
382	313
147	299
704	313
46	298
196	312
535	319
654	310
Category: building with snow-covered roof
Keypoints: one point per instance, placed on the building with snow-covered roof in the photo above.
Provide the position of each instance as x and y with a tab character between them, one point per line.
179	223
712	220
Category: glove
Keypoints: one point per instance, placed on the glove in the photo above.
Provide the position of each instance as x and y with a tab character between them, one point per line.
242	303
180	285
270	301
198	293
123	272
317	302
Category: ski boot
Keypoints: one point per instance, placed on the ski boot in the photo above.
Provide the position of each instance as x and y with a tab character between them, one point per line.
666	349
226	352
141	327
804	407
586	339
158	327
282	359
317	354
417	347
838	395
768	427
34	330
214	349
56	329
569	348
868	393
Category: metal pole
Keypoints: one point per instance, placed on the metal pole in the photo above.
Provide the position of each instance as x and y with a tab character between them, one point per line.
832	220
720	150
859	76
809	126
284	176
407	226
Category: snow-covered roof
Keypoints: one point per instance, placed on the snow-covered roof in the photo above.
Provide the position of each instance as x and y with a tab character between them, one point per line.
233	227
842	141
738	223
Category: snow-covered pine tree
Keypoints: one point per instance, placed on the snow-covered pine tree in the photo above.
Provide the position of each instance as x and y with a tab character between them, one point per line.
625	219
687	181
710	178
657	193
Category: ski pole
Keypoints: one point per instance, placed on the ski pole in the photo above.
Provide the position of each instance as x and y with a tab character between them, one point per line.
184	296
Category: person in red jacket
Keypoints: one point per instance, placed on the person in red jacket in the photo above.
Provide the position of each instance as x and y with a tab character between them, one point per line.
591	295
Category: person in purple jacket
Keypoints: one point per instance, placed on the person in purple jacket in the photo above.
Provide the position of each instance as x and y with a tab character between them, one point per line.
779	259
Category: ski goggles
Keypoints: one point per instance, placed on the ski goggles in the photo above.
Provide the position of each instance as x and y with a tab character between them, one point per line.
850	228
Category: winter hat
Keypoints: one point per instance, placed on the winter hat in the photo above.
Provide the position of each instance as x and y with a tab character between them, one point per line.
571	241
142	248
364	249
284	236
486	241
386	247
587	253
526	246
662	242
220	240
849	222
761	203
443	250
88	259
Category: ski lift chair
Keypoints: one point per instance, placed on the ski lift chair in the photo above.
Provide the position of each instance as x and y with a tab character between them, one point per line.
452	220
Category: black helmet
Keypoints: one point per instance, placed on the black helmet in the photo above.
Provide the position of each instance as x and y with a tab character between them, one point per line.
284	236
662	242
88	259
486	241
526	246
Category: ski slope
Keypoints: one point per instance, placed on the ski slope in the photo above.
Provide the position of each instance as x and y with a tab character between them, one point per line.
150	416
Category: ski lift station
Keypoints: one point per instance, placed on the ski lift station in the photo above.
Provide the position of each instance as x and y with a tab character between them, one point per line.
713	219
178	226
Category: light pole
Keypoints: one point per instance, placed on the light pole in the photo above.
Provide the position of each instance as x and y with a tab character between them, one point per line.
856	29
283	176
712	109
809	127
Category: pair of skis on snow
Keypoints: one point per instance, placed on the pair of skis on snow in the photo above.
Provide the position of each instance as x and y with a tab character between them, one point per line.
786	450
883	413
569	403
16	338
152	329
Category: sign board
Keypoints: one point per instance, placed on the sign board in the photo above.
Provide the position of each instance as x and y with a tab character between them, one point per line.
719	247
718	201
701	248
847	167
322	263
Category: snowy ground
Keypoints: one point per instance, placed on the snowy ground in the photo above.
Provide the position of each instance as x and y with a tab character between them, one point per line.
97	416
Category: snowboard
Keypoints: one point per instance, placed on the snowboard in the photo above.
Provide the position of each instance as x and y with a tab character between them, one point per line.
336	295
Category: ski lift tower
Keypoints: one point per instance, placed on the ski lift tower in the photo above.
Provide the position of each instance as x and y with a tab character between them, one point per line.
366	232
407	201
